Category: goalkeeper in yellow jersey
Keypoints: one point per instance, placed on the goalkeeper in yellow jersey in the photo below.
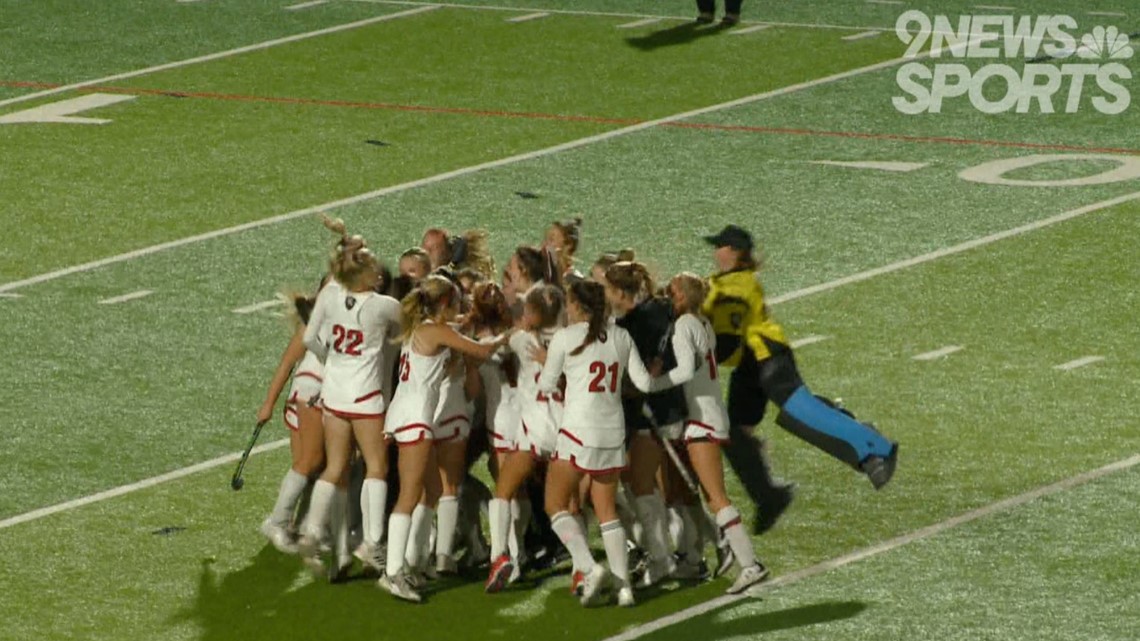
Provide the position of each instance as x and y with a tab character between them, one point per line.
750	341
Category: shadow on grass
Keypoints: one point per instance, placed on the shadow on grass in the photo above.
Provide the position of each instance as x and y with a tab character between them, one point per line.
681	34
708	629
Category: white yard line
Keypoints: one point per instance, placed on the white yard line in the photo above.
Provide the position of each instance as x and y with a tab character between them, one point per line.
115	300
949	251
1003	505
861	36
530	16
808	340
747	30
640	23
219	55
1108	14
257	307
991	7
463	171
616	14
133	487
1080	362
938	353
305	5
7	295
894	2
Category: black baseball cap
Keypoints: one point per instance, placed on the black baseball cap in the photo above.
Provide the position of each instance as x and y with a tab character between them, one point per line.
731	236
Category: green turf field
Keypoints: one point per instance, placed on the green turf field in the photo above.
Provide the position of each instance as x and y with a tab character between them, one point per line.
472	108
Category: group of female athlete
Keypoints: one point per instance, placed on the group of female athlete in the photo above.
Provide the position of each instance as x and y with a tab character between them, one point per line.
593	394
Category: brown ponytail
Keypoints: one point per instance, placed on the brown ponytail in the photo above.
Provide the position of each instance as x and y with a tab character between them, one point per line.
591	297
427	300
631	278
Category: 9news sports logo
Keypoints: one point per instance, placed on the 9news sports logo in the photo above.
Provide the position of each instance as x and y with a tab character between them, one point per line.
1050	66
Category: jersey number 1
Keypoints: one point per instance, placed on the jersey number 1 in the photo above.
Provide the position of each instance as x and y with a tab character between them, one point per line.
347	340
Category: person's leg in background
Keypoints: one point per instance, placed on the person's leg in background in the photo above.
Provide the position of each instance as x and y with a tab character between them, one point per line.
745	452
706	11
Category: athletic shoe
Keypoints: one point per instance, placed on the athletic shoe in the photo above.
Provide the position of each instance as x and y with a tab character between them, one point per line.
373	557
593	584
478	552
748	577
625	597
338	573
656	571
309	549
730	20
689	570
880	470
576	580
446	565
516	573
279	537
725	557
500	571
417	579
772	507
705	18
400	587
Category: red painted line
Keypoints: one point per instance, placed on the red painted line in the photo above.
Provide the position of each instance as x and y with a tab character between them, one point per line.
491	113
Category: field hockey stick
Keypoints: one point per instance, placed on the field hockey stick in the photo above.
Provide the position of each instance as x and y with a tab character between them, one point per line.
237	482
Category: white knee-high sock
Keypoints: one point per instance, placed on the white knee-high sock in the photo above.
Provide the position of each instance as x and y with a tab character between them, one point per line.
652	516
729	521
292	486
613	537
690	544
319	507
373	500
676	525
499	514
338	523
520	519
572	536
399	527
447	513
420	535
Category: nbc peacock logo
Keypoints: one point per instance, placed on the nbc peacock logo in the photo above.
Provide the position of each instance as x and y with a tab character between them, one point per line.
1105	43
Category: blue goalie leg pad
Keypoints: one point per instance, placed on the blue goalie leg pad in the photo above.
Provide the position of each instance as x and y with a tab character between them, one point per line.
831	430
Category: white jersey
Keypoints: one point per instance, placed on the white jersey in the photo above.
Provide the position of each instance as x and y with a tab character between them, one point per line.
694	344
357	328
452	417
502	415
593	412
540	412
411	415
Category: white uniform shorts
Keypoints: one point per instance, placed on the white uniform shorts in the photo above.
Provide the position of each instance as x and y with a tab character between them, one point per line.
305	390
594	461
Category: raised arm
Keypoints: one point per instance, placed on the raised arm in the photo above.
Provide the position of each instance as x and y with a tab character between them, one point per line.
313	337
552	368
448	337
293	354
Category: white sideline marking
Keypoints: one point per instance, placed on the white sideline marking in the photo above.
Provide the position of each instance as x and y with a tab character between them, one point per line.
7	295
257	307
747	30
990	7
860	36
141	485
639	23
115	300
1080	362
463	171
528	17
221	54
1108	14
306	5
872	164
938	353
61	111
879	548
808	340
948	251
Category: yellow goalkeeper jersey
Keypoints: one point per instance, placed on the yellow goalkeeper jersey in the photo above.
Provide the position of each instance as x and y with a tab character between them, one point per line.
735	305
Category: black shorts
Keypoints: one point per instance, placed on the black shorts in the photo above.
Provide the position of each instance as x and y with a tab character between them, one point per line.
753	383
